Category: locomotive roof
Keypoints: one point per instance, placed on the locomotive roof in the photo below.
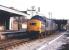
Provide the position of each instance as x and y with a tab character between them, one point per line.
42	18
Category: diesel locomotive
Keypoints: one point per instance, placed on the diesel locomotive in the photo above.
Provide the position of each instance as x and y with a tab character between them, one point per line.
40	26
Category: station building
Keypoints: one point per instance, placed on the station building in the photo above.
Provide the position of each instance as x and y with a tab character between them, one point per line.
11	19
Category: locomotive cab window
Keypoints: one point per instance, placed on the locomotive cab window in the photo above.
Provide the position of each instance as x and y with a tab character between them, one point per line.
32	23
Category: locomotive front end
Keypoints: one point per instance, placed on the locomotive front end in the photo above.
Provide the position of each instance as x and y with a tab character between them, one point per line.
34	25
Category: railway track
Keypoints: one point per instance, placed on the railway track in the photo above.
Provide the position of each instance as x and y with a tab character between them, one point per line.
5	44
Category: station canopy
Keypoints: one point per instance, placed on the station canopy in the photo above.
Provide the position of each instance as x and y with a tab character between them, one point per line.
64	22
6	11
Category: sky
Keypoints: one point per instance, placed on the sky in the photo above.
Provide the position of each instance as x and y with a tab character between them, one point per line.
58	8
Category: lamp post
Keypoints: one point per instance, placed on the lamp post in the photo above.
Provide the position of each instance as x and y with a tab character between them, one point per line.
50	15
51	24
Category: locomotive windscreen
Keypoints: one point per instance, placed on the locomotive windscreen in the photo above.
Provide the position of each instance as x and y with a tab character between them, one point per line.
32	23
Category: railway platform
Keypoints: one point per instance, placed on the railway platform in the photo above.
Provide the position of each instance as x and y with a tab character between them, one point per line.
59	43
12	33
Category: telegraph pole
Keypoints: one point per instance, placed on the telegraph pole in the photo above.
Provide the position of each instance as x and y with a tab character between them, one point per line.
32	10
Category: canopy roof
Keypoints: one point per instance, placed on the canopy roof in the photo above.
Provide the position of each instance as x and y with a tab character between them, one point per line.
4	9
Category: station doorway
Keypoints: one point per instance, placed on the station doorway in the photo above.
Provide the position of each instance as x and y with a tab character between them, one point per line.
4	22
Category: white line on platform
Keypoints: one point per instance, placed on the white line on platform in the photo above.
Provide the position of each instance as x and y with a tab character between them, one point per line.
54	39
43	46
